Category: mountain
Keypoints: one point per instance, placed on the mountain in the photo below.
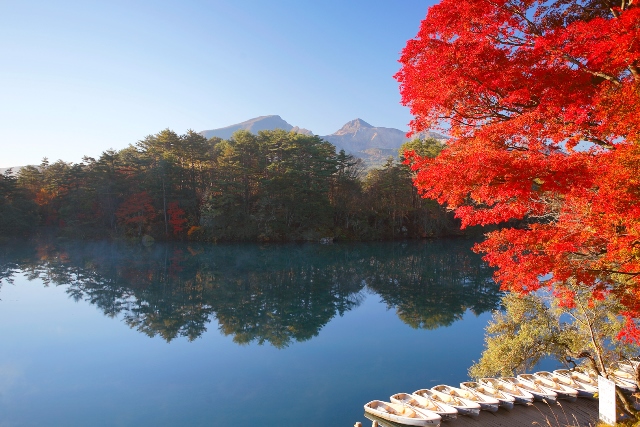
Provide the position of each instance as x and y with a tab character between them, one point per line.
372	144
14	170
254	126
358	135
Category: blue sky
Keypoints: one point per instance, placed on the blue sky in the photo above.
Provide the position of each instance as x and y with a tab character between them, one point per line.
81	77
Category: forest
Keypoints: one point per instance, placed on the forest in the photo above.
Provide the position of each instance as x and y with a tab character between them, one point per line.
269	187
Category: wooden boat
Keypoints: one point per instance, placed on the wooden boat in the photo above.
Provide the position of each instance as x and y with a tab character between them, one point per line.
520	396
505	400
563	391
399	414
463	406
584	390
538	392
486	403
425	404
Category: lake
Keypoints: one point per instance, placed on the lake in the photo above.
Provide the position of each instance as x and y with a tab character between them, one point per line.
114	334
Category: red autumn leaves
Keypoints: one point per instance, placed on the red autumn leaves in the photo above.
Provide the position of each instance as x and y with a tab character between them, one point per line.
519	84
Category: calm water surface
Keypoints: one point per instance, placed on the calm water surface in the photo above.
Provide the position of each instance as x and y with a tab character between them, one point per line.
108	334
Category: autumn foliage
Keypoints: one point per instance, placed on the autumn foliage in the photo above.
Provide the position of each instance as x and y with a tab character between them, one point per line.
542	100
176	218
136	211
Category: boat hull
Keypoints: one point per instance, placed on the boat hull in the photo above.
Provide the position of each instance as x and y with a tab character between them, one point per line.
584	390
486	403
381	421
504	401
419	404
374	408
519	397
537	392
467	407
446	412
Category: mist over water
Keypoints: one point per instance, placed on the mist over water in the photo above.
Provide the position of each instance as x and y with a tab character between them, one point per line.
107	333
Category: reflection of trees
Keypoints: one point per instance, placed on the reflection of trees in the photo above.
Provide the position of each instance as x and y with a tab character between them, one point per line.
276	294
433	286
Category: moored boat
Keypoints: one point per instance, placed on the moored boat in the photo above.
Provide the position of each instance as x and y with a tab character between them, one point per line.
486	403
425	404
628	366
381	421
429	394
505	400
626	386
399	414
563	391
538	392
584	390
579	377
463	406
520	396
629	378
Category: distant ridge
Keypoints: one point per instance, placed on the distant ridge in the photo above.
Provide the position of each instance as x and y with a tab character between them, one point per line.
254	126
14	169
357	137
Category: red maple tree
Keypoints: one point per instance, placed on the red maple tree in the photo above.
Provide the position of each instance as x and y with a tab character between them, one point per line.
542	100
176	218
136	212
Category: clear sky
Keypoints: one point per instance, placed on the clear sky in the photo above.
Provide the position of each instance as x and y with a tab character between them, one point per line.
79	77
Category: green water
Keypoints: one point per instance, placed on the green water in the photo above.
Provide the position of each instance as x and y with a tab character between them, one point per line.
232	335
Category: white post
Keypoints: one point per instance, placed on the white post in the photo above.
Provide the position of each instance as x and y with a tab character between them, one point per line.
607	400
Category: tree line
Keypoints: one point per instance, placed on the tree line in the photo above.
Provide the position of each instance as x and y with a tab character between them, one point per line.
273	186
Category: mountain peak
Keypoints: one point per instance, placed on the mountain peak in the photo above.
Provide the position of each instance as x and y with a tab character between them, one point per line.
254	125
353	126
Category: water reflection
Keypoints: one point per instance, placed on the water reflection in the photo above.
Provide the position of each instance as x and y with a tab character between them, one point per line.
277	294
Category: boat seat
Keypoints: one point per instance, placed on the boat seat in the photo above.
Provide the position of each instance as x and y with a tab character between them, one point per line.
406	412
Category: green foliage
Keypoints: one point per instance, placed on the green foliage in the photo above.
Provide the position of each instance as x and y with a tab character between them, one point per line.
427	147
534	326
395	209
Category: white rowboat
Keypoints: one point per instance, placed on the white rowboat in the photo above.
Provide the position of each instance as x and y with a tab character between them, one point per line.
624	385
486	403
563	391
538	392
425	405
579	377
463	406
505	400
584	390
624	379
399	414
520	396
